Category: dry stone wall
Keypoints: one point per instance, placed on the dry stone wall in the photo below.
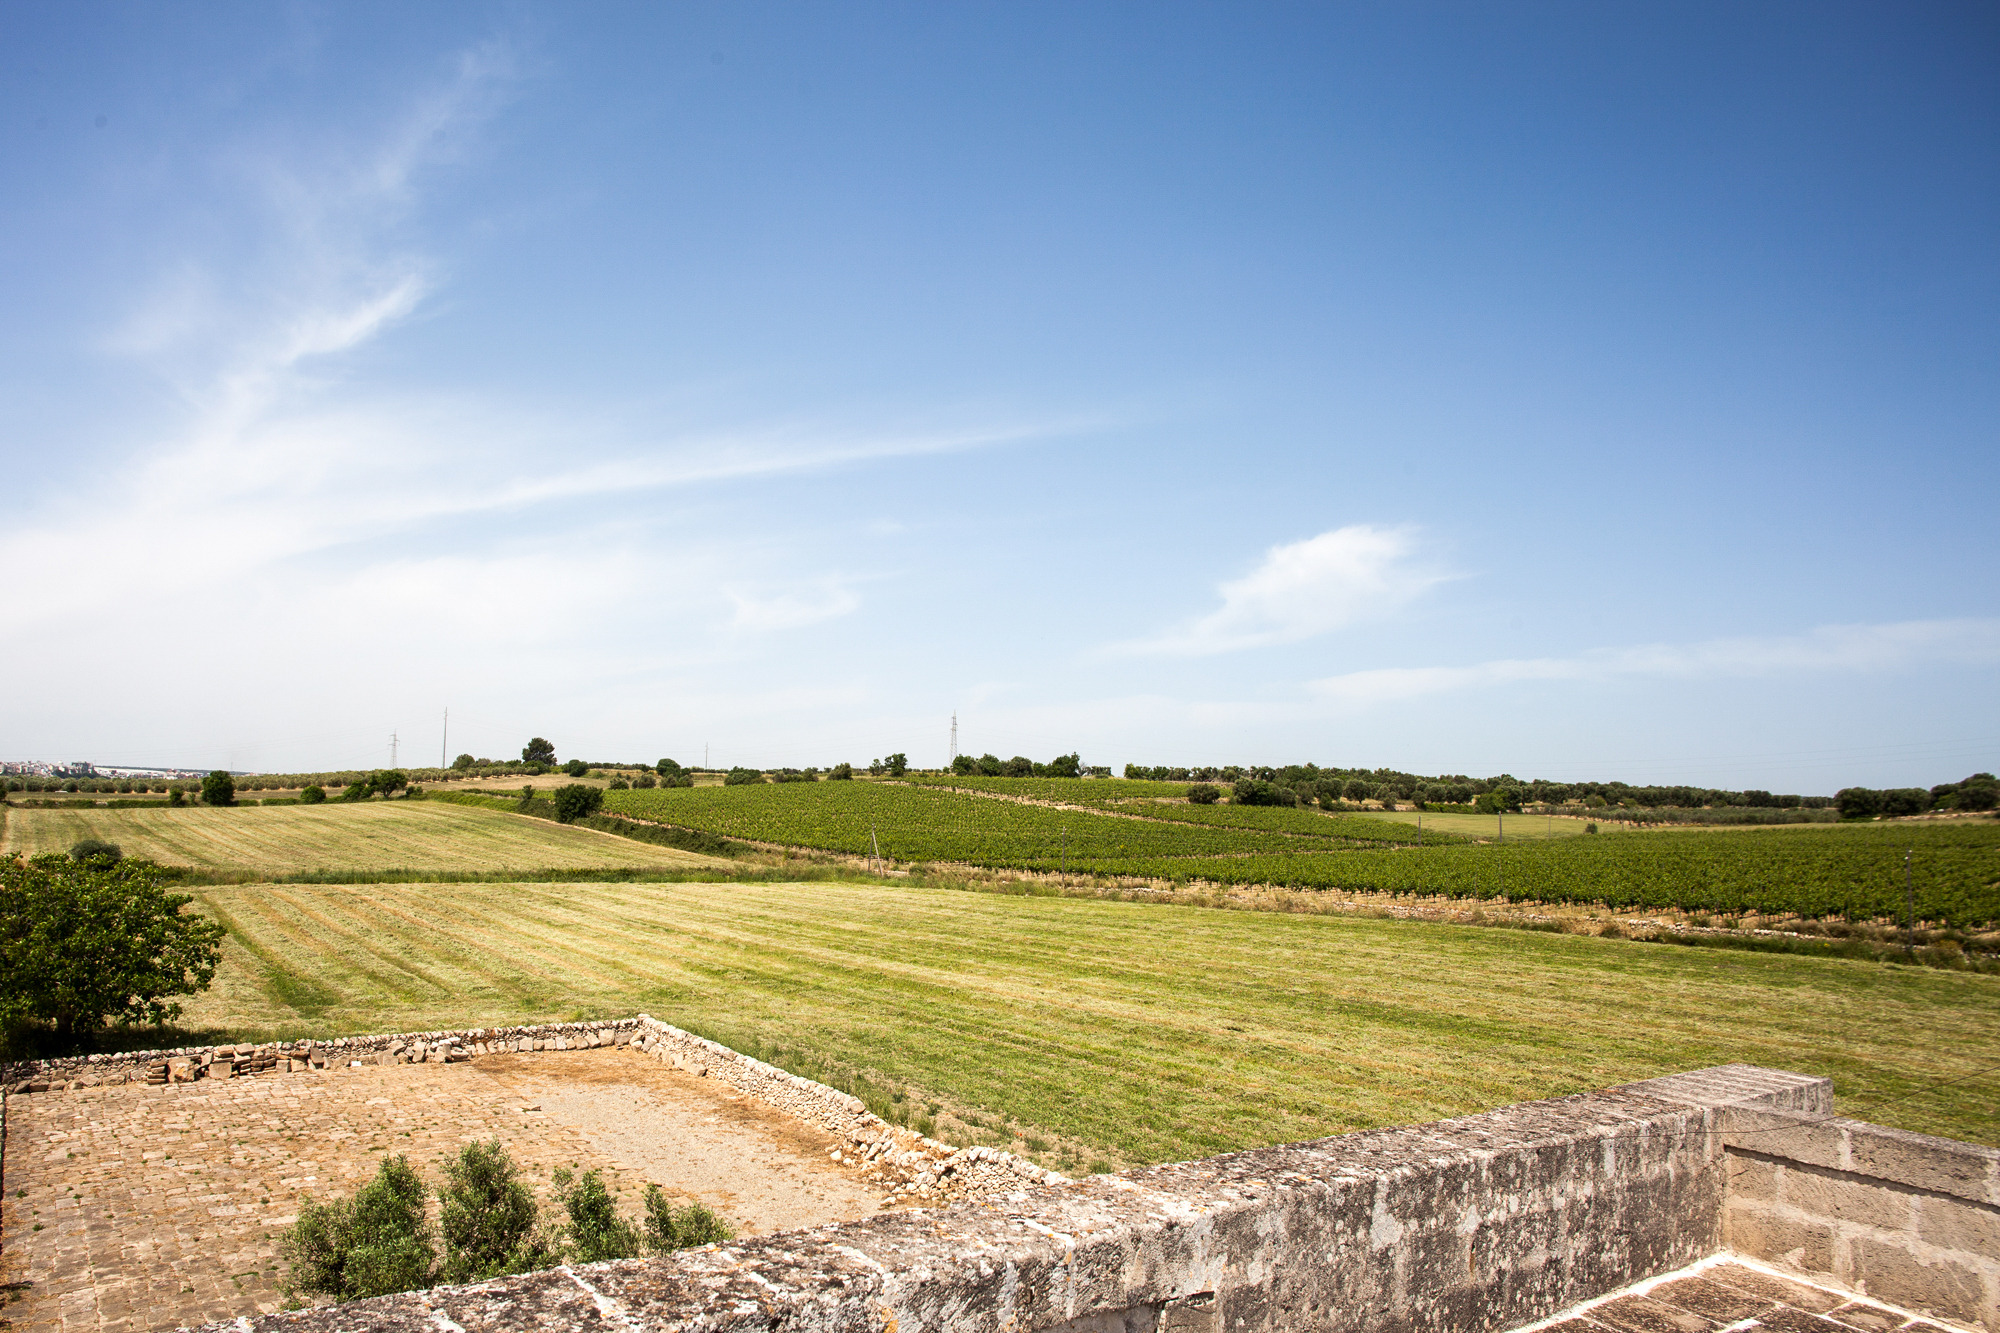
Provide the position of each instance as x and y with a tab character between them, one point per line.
912	1165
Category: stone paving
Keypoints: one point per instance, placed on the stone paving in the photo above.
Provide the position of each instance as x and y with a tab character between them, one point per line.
139	1207
1731	1295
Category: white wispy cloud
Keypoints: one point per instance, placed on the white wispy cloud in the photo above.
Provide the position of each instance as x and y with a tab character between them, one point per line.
792	607
1857	649
1305	589
279	458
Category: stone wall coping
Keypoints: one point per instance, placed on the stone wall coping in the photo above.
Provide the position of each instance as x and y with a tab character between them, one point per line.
1743	1085
1046	1255
1966	1171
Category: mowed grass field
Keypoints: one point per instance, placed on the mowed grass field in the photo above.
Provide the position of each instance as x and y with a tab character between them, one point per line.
370	836
1143	1032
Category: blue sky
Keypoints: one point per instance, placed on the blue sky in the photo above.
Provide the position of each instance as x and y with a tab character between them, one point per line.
1570	391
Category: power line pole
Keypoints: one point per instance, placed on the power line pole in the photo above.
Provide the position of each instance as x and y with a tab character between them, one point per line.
392	749
954	739
1909	906
444	739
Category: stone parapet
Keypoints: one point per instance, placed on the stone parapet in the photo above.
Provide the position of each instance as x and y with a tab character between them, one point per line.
1476	1224
1905	1218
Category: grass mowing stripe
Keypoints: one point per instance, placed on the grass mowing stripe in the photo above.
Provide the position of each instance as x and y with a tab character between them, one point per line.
1152	1032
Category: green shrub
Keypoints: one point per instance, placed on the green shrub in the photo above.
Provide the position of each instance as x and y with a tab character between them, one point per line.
176	796
96	852
668	1228
576	768
463	762
576	801
488	1218
618	784
312	795
596	1232
742	777
218	788
840	773
645	780
374	1244
1204	793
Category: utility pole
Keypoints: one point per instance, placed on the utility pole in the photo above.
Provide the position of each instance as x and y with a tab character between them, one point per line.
444	739
392	749
954	739
1501	815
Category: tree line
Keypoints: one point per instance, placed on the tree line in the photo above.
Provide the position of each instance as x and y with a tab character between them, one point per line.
1313	784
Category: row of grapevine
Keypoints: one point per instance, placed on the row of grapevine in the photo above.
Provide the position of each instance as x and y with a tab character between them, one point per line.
1143	798
1854	870
1953	871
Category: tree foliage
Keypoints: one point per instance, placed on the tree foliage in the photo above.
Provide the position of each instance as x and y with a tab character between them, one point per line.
576	801
463	762
538	751
312	795
90	942
1204	793
897	764
218	788
742	777
576	768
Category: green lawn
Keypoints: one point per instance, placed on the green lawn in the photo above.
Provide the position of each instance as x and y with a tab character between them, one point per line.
1139	1032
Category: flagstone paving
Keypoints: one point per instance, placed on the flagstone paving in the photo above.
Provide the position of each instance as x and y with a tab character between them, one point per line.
138	1207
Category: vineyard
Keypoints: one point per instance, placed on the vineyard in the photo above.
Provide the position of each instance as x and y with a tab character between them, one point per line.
1855	870
909	823
1167	801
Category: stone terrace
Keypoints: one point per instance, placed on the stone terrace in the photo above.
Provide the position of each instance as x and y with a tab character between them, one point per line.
153	1206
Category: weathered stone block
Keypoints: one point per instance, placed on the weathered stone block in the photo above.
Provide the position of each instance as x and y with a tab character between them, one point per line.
1762	1231
1952	1224
1846	1198
1966	1170
1888	1269
1753	1177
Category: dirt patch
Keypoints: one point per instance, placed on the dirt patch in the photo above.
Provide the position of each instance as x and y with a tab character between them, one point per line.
152	1207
